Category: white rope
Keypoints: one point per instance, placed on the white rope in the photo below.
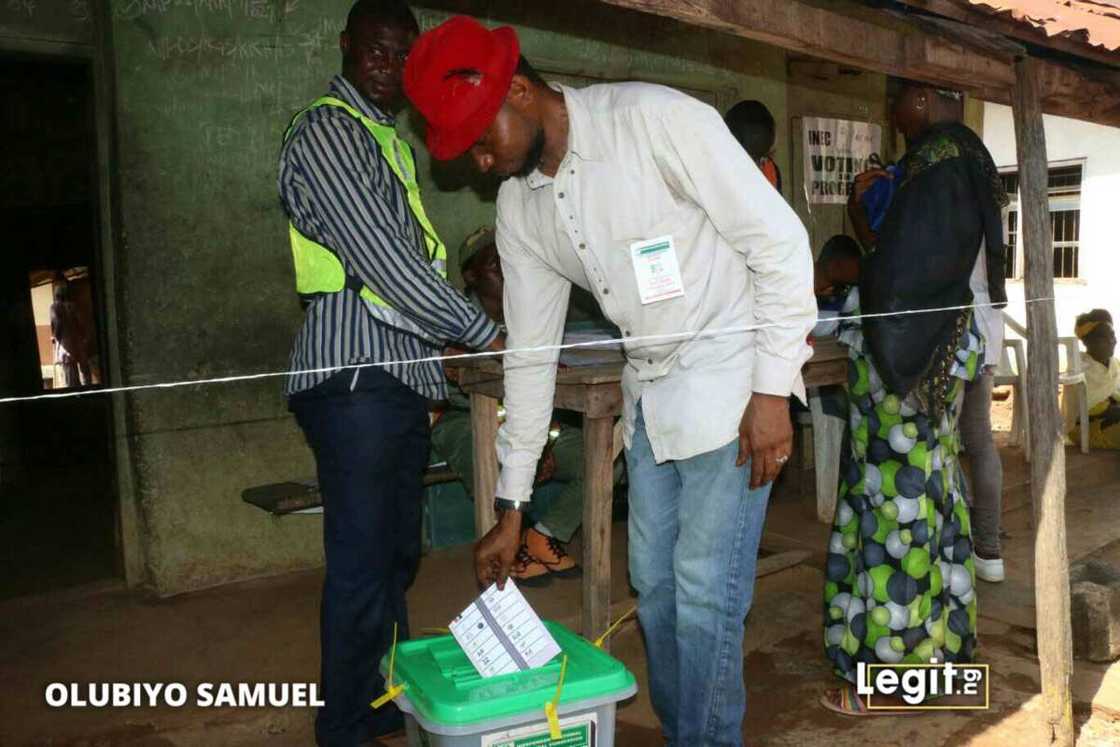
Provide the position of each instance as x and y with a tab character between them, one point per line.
694	334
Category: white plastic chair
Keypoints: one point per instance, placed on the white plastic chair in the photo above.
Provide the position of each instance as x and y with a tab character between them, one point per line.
1075	391
1012	370
1071	378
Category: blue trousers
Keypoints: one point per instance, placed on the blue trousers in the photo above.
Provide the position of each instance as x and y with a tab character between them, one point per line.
370	439
694	531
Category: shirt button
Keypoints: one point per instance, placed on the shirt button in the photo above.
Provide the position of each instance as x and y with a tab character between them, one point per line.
606	291
649	361
625	333
561	195
583	246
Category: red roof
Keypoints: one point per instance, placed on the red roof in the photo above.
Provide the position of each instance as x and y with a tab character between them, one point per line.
1093	22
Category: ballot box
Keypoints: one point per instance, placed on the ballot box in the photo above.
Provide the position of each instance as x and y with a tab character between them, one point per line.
448	704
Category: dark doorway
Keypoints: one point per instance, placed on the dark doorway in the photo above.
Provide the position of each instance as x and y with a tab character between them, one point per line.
57	485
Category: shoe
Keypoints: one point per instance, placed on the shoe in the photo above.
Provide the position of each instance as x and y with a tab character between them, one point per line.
528	571
988	569
549	552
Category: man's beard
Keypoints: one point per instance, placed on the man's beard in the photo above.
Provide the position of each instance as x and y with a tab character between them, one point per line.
533	157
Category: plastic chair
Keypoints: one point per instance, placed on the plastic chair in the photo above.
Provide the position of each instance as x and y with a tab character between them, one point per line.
1075	391
1012	370
1071	378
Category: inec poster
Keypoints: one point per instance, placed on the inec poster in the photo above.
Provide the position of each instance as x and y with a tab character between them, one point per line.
835	151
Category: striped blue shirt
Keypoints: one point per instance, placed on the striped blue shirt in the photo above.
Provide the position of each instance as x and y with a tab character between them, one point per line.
338	191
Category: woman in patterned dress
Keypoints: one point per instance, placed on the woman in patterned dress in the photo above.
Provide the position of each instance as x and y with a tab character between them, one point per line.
900	581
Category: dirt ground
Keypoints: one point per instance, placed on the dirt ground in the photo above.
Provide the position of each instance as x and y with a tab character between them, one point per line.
266	630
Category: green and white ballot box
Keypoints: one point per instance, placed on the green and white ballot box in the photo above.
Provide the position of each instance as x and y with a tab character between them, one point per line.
448	704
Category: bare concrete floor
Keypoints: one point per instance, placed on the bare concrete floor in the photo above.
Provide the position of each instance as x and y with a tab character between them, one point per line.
267	630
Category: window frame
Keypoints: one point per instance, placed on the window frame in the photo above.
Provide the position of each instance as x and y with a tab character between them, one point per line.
1061	199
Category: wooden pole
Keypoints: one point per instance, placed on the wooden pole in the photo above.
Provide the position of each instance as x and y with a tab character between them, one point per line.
1048	475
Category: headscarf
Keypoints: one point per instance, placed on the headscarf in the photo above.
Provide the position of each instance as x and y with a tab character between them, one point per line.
1085	329
949	200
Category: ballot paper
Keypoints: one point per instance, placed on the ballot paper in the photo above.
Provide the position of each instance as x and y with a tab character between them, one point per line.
501	634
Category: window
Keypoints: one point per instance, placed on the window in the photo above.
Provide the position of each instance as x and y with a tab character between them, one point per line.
1065	221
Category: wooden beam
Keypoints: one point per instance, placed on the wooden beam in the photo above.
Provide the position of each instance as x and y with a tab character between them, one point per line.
897	48
598	490
1048	474
484	434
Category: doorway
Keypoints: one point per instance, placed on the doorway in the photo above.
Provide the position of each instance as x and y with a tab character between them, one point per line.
57	479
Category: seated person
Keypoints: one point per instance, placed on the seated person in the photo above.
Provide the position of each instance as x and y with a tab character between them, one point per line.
1102	378
834	273
557	505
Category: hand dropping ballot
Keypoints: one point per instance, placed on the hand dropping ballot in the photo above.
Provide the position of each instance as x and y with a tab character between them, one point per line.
501	634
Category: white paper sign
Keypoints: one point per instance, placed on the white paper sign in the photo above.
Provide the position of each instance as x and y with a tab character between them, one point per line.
835	151
501	634
656	269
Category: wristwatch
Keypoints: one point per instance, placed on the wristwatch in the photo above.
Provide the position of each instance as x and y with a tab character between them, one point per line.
503	504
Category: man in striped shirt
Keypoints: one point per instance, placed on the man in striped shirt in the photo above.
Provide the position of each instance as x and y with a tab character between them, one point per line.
368	427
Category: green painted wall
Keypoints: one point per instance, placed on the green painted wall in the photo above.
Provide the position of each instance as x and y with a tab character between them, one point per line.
204	91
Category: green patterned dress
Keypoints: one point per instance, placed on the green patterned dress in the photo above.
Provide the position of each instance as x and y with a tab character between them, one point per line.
900	583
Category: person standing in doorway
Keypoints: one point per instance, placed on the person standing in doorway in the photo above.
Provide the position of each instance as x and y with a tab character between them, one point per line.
69	335
639	194
370	269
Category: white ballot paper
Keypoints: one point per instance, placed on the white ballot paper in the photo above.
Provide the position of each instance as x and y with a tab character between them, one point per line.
501	633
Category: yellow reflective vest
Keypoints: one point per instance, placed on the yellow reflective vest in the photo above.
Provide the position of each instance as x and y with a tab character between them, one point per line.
318	268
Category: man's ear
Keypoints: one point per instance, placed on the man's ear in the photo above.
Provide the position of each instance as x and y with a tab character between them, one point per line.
469	276
522	93
344	43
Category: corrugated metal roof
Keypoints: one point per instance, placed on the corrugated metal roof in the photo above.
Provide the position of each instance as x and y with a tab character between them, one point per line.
1093	22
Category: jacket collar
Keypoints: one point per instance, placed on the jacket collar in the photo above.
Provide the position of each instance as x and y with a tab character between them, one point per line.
344	90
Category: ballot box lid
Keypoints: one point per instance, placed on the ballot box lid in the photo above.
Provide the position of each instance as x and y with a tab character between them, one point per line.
443	687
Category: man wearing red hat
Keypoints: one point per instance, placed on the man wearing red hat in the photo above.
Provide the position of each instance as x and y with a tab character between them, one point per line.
641	195
369	266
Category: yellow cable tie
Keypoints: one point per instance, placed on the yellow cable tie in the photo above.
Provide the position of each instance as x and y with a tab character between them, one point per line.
603	638
390	694
554	733
391	691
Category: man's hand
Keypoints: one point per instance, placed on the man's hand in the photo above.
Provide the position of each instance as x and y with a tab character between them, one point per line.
498	345
451	367
765	437
864	181
494	554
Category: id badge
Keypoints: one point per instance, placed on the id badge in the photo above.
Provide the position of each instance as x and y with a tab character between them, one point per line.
656	269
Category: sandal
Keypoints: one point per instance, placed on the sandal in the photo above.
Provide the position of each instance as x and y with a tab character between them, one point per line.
847	702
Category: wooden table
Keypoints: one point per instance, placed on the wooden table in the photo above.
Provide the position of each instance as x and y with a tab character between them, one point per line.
594	391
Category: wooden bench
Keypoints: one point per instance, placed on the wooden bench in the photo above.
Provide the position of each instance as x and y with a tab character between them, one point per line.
281	498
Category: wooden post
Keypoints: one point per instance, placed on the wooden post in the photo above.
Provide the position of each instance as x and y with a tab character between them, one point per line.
1048	476
598	485
484	432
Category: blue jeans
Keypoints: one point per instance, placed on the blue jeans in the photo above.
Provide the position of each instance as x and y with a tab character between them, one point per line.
370	438
695	526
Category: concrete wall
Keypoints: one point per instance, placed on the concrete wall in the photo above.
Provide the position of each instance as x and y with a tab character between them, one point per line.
828	91
1099	261
203	94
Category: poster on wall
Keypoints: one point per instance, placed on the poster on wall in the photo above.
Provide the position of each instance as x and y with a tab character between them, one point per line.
835	151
